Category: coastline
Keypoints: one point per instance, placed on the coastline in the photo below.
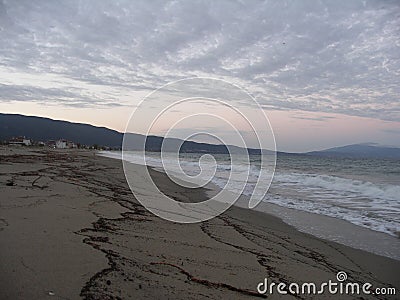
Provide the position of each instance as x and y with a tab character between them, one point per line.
322	226
334	230
71	224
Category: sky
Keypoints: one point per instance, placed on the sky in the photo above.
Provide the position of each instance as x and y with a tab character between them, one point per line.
326	73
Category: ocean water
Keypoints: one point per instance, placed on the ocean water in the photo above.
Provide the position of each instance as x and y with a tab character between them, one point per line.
365	192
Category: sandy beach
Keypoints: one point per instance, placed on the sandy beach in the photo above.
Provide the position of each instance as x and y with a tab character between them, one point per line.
70	228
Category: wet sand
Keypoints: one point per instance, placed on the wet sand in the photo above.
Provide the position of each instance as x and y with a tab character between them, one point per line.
70	228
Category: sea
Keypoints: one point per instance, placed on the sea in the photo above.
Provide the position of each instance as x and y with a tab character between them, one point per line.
362	191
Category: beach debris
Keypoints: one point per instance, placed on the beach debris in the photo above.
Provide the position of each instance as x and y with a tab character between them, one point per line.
10	183
51	293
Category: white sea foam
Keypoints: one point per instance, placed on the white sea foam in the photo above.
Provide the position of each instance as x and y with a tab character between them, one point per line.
341	185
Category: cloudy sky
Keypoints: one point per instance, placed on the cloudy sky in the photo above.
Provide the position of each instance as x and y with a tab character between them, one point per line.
326	73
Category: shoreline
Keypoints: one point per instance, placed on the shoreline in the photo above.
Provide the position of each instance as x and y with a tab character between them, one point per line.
71	223
336	230
322	226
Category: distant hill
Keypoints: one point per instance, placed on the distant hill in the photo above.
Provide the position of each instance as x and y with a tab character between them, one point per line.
44	129
359	151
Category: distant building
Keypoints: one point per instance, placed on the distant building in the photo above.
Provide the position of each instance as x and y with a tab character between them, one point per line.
61	144
71	145
64	144
20	141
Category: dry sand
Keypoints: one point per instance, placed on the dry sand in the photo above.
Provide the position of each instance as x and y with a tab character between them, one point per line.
70	228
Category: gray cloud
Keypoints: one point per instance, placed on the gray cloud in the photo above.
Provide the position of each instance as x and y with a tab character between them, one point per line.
51	95
337	56
311	118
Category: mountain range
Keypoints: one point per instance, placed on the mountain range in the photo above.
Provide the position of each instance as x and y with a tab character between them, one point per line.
364	150
44	129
